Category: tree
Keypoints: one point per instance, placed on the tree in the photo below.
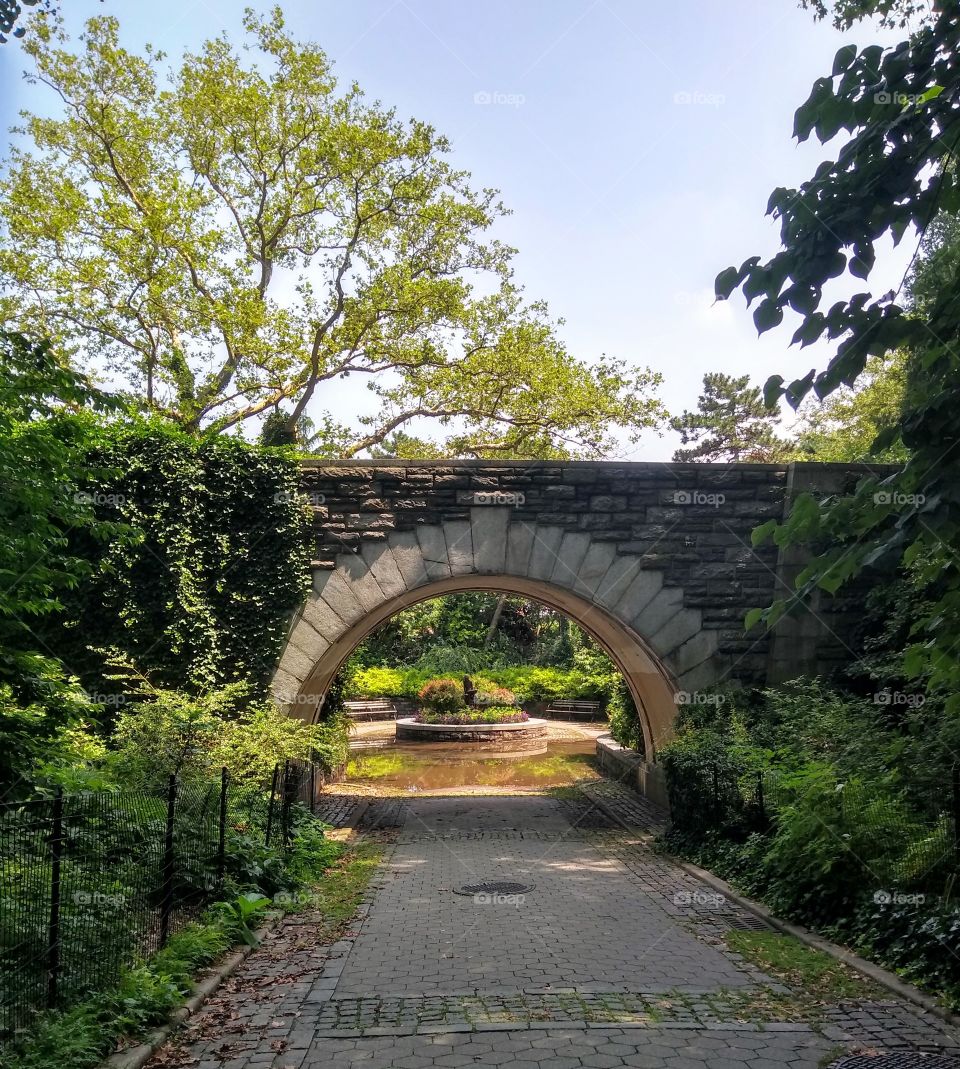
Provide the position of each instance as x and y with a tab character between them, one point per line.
890	13
45	434
843	427
896	172
231	242
10	13
731	423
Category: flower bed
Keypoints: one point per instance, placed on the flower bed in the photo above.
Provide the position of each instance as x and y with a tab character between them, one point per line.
494	714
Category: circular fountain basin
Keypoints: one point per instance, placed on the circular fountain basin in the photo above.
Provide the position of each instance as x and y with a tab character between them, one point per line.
527	735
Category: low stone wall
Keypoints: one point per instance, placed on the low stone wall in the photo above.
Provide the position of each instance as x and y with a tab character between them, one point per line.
630	767
501	737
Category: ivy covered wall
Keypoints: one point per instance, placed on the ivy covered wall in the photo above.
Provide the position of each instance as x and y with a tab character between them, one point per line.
198	591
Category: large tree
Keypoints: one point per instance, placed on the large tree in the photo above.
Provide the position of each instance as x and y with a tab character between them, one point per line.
731	423
895	173
228	243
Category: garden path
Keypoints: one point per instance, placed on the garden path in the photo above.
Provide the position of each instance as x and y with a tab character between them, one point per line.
614	956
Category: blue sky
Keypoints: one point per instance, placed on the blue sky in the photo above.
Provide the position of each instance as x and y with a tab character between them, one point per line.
635	142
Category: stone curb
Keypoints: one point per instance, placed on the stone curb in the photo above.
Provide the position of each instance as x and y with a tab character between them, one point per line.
135	1057
872	971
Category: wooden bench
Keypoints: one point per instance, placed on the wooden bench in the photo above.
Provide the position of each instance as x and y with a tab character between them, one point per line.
371	709
567	708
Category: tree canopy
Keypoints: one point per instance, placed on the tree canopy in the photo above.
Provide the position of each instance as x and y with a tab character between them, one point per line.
230	242
895	173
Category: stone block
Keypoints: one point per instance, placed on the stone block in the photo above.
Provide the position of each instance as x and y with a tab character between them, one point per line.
641	591
409	558
383	567
489	525
354	571
543	553
573	548
433	545
520	535
459	541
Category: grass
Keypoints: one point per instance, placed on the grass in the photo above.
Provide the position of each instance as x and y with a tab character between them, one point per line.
338	895
809	972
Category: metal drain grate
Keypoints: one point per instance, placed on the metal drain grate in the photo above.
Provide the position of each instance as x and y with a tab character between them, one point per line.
747	922
495	887
906	1060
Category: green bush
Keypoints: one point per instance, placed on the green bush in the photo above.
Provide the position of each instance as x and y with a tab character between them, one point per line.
194	737
441	696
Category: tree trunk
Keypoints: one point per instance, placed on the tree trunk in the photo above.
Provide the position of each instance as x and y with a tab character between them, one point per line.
495	621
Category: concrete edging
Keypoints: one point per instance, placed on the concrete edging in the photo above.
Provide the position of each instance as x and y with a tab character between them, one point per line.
870	969
138	1056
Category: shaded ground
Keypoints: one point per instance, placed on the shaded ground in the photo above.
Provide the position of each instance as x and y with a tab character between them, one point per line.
615	956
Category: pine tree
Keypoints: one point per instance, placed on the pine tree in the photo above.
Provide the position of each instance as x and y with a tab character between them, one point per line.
731	424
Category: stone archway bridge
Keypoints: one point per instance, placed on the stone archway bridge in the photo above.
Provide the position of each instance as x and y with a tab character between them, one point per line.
652	559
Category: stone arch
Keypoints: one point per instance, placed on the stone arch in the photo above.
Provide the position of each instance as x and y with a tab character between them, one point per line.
655	640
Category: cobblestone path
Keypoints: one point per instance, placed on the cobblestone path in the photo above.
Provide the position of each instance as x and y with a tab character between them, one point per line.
613	956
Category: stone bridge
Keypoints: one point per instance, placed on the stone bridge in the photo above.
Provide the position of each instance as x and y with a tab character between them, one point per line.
653	560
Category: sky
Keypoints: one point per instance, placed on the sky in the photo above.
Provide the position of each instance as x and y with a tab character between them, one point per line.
636	144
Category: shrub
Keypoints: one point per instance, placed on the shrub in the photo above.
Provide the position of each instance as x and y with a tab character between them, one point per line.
442	696
193	738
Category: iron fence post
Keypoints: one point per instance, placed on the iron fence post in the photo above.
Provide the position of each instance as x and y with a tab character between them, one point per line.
166	894
313	788
222	840
53	932
286	791
760	803
273	794
956	809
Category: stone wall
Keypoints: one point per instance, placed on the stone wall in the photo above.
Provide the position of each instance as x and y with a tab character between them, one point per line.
690	522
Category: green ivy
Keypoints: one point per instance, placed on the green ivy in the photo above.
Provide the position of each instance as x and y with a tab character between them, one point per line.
201	596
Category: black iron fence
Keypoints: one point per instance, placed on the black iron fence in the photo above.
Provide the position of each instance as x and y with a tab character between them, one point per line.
90	883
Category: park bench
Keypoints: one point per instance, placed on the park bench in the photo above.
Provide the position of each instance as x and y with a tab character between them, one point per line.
567	708
371	709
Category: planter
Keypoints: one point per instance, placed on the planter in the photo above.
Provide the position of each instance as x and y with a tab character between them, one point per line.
529	735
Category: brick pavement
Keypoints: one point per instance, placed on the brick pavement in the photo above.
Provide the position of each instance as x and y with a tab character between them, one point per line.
616	957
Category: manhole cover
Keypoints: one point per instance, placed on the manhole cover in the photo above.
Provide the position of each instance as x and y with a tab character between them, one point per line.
495	887
907	1060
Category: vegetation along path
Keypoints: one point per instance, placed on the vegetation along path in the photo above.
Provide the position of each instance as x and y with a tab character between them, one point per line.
608	954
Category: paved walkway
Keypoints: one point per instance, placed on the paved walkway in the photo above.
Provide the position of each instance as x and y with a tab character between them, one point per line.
612	956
